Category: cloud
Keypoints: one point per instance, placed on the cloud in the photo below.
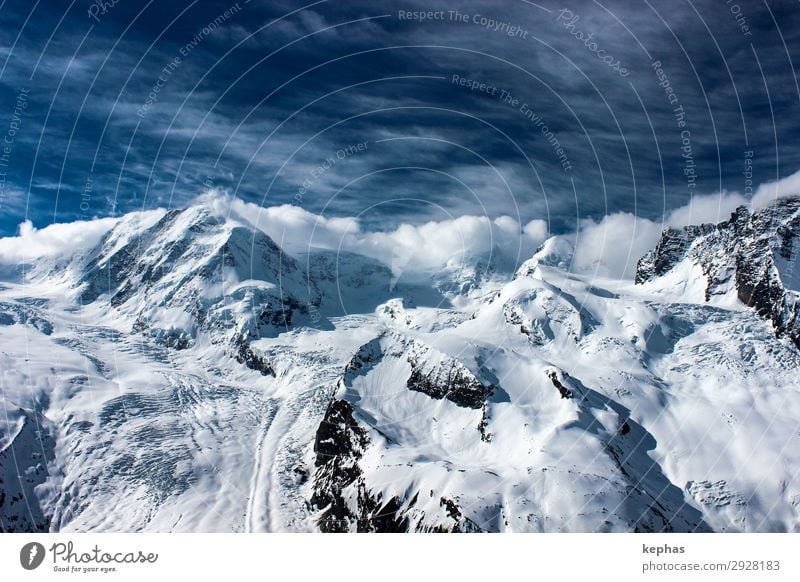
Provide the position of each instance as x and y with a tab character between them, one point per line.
419	249
62	240
715	208
709	208
211	112
52	241
412	249
613	246
435	244
771	191
292	227
609	247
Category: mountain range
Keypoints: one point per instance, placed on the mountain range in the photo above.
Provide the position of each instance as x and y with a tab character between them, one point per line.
186	373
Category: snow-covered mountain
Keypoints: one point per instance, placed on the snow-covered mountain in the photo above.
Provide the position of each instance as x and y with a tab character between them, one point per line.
187	374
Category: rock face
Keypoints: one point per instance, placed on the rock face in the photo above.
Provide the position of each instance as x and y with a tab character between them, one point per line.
446	379
24	466
754	255
386	368
339	446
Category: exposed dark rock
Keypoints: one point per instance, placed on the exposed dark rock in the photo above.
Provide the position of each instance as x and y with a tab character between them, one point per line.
282	313
245	355
670	250
341	491
563	390
740	252
24	466
459	387
462	523
377	516
483	425
339	444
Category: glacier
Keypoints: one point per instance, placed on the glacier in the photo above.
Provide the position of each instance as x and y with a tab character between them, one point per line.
186	373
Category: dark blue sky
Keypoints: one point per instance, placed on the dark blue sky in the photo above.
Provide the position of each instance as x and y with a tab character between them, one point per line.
110	107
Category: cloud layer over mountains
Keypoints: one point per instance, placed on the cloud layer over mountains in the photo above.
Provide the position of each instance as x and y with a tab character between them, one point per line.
608	248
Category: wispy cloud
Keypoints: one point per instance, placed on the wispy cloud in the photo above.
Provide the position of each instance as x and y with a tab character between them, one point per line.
257	124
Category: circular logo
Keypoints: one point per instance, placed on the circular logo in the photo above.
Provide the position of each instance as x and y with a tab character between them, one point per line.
31	555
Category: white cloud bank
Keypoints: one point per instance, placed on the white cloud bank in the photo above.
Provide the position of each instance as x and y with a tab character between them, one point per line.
771	191
612	246
609	247
62	240
413	248
55	240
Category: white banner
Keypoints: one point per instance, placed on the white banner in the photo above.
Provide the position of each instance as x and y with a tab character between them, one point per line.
402	557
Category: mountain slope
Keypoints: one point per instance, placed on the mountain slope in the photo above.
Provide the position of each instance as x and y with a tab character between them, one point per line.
186	374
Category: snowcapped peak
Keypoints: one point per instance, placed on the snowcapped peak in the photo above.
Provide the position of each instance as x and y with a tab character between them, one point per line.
394	312
556	251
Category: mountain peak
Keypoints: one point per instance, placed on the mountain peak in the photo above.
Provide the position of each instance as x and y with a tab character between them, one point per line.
556	251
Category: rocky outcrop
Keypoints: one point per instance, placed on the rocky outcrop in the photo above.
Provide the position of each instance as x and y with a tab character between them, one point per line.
563	390
450	380
340	490
24	466
342	493
245	355
753	254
